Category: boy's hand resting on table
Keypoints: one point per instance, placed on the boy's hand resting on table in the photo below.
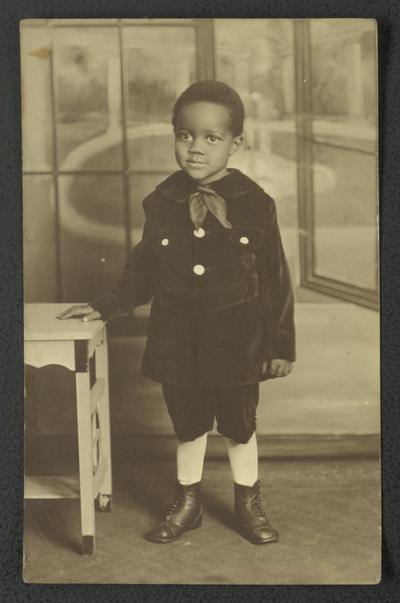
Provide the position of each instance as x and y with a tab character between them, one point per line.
277	367
86	312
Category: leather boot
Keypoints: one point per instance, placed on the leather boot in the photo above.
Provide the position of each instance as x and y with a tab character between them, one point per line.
250	515
184	514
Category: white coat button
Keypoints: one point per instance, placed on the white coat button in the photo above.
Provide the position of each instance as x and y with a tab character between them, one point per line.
244	240
165	242
199	269
199	233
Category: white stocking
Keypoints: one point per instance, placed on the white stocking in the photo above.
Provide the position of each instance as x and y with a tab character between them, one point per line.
243	459
190	460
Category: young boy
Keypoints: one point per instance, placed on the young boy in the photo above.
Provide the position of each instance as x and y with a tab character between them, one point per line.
221	319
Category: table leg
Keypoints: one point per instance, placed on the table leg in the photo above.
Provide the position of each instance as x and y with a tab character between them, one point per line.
85	462
104	499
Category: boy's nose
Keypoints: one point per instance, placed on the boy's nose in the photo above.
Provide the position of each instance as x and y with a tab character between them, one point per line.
196	147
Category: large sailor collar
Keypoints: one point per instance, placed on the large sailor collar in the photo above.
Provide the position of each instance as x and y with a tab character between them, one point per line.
179	186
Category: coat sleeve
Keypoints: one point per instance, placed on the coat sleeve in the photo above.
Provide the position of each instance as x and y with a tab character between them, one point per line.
277	299
136	284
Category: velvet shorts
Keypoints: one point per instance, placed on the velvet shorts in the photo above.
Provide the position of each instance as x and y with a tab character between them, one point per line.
194	409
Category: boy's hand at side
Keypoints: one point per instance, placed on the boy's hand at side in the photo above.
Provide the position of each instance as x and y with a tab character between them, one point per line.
277	367
85	311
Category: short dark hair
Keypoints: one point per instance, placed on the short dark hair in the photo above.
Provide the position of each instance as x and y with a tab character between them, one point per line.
213	91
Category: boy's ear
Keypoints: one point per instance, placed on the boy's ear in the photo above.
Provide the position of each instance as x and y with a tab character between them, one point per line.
236	144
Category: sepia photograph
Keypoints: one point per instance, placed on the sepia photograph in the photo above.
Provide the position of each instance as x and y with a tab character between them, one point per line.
201	301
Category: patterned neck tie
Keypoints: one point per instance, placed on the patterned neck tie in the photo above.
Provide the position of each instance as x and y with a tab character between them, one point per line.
206	199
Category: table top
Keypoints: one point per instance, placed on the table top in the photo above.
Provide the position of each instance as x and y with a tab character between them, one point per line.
41	324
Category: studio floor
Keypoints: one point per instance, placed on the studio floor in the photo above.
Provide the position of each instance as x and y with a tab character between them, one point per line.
327	513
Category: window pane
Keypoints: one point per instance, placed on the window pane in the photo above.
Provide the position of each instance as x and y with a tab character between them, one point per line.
154	80
343	81
92	235
151	147
345	247
88	97
344	124
36	101
40	244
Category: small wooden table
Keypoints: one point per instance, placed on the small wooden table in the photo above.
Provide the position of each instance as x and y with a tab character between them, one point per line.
82	348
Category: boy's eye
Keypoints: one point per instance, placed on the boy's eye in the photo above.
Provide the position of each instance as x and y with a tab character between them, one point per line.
184	136
212	138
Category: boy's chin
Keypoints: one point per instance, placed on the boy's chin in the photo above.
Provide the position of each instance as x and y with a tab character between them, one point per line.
200	176
195	175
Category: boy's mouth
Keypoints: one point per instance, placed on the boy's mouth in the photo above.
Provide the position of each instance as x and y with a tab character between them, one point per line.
195	163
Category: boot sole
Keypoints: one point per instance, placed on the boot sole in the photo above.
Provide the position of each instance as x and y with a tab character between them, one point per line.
253	541
197	523
269	541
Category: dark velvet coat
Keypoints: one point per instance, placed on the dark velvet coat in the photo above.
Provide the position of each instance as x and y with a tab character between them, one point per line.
222	301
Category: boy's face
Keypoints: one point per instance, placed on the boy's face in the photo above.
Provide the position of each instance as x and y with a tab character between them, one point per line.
204	140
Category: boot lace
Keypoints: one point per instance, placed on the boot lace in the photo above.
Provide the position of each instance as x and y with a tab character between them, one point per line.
172	508
257	504
259	508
